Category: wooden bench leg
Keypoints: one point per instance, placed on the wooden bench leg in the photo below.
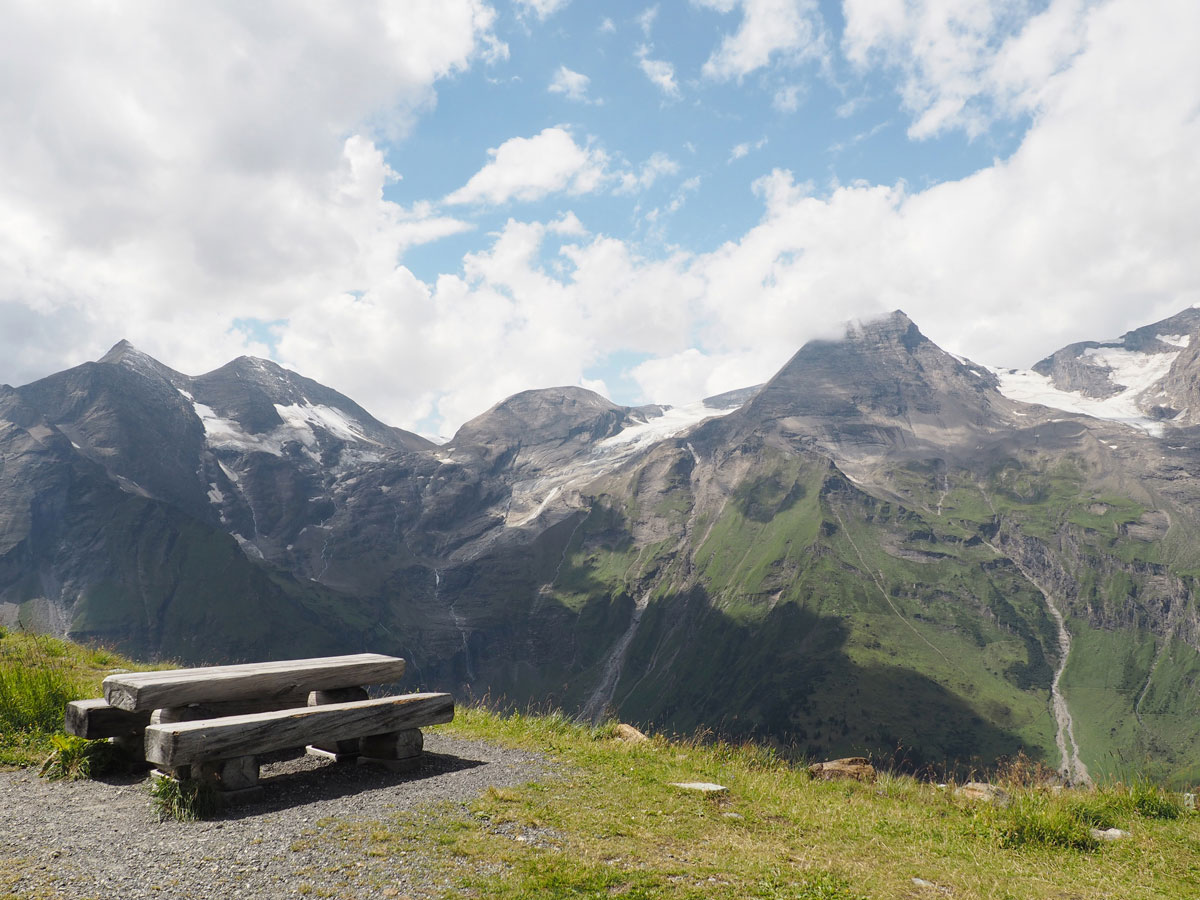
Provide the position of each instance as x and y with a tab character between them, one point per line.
131	748
235	780
339	751
399	751
229	775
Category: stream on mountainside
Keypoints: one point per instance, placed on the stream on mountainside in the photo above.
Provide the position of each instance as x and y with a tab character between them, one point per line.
457	618
593	710
1072	767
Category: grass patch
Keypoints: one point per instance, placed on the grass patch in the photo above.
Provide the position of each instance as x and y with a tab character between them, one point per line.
1035	819
185	800
74	758
39	676
610	824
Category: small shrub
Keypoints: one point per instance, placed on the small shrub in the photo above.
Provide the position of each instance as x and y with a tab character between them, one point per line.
1102	809
1153	802
1037	820
184	799
74	758
1021	771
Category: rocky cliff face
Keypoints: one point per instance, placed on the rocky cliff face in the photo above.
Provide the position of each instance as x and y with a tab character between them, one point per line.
876	548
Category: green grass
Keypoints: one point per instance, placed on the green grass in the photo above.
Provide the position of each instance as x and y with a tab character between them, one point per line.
609	824
185	800
73	758
39	675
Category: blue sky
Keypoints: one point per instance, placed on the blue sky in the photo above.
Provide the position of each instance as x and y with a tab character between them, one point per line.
433	204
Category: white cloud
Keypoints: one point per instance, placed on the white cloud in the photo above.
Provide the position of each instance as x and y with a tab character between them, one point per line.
964	64
851	106
743	149
646	19
657	165
568	225
659	71
527	169
787	98
788	29
607	26
124	212
543	9
167	171
573	85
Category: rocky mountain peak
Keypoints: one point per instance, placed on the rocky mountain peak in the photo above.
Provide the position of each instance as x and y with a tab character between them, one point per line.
893	330
547	420
262	396
125	354
119	351
881	368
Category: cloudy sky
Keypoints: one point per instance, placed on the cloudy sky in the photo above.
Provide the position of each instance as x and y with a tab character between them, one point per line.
432	204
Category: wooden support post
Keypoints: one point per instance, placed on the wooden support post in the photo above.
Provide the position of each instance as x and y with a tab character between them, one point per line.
95	719
338	751
399	751
131	748
237	774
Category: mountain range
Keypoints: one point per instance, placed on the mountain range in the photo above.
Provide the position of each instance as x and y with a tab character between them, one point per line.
886	548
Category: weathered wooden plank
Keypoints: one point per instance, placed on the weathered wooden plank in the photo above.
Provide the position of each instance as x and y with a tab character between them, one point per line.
265	681
95	719
182	743
230	708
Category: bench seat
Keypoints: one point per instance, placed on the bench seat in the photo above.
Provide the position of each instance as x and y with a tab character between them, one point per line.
175	744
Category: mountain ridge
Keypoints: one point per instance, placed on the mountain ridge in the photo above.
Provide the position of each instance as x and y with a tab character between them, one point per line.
875	546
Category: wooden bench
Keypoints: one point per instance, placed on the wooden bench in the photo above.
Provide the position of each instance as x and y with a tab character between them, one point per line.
212	723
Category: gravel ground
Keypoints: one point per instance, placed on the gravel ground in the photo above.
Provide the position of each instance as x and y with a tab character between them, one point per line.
104	839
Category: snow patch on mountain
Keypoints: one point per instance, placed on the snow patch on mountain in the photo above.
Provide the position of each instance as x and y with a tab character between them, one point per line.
226	433
298	422
301	415
674	420
529	500
1134	371
1137	376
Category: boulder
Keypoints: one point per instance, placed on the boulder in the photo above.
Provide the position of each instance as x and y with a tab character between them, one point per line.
983	792
630	735
857	768
704	787
1109	834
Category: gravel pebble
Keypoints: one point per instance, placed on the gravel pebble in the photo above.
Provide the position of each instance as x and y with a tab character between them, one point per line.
104	839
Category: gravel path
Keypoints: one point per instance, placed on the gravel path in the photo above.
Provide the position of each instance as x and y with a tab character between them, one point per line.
103	839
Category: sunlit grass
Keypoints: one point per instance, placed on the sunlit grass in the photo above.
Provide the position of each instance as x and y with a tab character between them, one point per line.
607	822
39	676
